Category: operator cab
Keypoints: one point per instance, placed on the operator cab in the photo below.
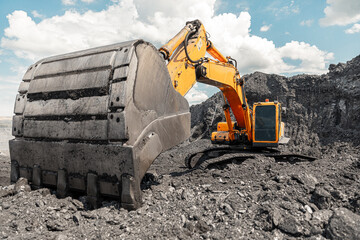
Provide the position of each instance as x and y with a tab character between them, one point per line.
268	130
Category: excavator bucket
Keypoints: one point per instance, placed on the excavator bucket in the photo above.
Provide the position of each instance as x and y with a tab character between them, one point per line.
93	121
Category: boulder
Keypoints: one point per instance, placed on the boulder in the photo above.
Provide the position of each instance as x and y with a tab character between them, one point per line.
343	224
22	185
321	198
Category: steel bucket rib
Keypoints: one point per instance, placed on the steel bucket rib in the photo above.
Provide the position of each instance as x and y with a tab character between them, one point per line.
95	120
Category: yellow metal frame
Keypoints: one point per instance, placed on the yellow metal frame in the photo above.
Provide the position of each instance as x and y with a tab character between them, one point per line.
226	77
224	126
277	130
181	70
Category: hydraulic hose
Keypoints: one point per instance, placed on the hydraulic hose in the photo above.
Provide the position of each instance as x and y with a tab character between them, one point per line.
186	44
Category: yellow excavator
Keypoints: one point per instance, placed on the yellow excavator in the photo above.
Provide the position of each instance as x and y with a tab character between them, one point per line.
93	121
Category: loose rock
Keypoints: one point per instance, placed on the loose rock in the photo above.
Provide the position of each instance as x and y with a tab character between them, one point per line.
343	224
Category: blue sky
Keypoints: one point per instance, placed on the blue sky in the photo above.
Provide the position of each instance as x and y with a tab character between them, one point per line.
283	37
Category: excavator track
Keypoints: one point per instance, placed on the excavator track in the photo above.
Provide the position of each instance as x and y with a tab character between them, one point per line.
224	153
93	121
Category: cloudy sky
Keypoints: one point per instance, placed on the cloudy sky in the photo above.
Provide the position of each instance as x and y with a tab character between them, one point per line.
281	36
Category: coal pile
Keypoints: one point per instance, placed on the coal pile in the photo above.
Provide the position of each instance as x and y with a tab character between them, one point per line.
255	198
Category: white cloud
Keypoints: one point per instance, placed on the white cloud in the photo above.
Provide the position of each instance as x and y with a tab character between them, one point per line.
196	96
165	10
312	59
341	12
9	85
156	22
68	2
88	1
265	28
308	22
354	29
36	14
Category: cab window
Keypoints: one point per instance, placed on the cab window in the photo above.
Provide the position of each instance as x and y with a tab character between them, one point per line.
265	123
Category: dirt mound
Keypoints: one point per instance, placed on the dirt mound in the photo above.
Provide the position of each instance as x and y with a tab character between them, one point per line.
254	198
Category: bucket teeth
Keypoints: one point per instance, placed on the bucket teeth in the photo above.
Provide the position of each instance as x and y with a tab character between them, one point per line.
92	189
14	172
94	121
36	177
62	185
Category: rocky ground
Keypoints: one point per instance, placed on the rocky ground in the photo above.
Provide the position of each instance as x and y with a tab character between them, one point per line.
255	198
4	170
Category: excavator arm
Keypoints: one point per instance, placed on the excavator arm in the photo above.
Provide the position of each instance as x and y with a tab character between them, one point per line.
188	44
189	64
